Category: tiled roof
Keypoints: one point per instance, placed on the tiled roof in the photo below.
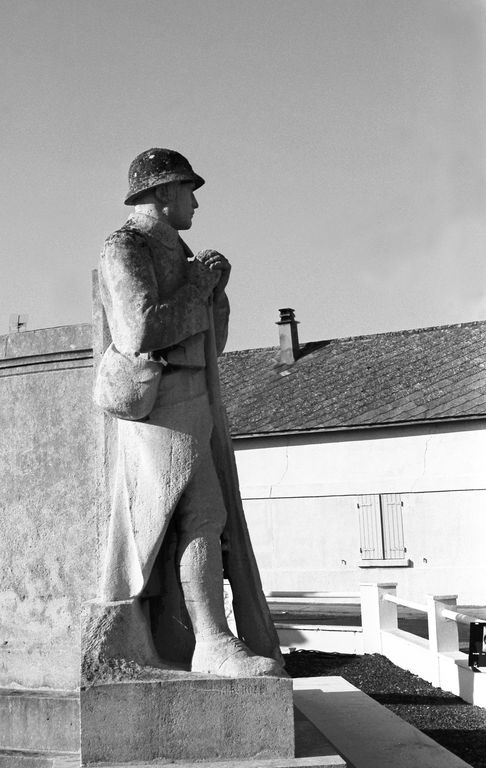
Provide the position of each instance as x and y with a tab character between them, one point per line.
428	374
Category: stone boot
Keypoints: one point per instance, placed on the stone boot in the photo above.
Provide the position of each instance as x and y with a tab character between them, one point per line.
217	651
116	641
225	655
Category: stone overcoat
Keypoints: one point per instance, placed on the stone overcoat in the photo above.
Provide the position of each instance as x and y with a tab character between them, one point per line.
157	299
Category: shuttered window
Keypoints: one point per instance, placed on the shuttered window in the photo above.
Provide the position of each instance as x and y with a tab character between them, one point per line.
392	522
370	527
381	526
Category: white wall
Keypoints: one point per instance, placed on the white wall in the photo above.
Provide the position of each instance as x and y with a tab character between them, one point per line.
392	460
300	502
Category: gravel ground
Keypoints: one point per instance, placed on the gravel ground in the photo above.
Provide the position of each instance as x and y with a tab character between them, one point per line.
458	726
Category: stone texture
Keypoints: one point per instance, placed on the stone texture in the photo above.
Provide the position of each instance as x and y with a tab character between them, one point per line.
188	718
46	341
116	644
108	630
18	760
21	759
312	750
48	528
39	720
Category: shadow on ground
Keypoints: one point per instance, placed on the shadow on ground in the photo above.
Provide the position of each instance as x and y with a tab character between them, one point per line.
470	745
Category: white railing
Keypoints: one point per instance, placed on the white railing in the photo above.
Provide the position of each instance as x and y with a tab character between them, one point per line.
459	618
405	603
437	659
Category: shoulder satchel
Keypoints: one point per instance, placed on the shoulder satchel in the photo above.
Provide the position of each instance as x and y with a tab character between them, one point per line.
126	385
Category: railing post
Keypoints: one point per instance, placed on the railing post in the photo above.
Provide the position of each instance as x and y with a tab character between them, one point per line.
377	614
443	633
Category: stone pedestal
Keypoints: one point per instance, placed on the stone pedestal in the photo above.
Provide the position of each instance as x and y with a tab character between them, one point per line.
187	717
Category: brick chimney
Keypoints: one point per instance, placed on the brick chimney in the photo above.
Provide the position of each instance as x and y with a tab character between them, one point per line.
288	337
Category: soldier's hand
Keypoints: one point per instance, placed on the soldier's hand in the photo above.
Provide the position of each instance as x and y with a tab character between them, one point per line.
216	262
205	279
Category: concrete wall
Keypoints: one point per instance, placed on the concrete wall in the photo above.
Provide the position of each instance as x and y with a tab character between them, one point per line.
300	496
48	518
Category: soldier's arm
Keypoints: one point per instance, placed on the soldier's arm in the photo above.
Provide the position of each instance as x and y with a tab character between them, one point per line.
221	311
215	262
141	323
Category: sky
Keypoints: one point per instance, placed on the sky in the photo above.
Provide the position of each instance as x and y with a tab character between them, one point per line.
342	143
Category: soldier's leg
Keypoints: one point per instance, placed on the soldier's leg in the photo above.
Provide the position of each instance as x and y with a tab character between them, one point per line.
200	517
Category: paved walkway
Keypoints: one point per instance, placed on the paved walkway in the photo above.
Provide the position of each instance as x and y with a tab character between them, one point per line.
365	733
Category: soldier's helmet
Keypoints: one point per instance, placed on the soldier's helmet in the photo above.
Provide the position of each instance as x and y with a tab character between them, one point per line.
158	166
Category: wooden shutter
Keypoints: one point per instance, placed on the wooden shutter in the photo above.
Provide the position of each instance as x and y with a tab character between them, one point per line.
370	529
392	519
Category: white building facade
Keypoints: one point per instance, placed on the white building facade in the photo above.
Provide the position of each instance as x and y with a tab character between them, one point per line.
407	504
350	476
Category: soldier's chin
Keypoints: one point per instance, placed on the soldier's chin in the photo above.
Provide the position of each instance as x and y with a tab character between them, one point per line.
181	223
185	224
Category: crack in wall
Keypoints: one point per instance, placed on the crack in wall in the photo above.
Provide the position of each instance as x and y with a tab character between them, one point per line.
283	473
424	462
427	441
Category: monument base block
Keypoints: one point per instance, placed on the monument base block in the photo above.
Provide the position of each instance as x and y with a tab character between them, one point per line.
194	717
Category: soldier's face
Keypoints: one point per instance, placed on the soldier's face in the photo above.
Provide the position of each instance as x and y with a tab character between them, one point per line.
181	206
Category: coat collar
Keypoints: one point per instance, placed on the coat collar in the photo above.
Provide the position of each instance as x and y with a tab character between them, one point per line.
156	228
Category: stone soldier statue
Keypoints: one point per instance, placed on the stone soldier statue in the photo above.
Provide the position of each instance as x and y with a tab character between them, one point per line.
175	488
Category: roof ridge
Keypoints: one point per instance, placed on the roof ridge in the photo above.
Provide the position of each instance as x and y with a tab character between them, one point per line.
403	332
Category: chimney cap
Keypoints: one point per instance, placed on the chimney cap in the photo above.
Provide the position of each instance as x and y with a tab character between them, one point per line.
286	316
